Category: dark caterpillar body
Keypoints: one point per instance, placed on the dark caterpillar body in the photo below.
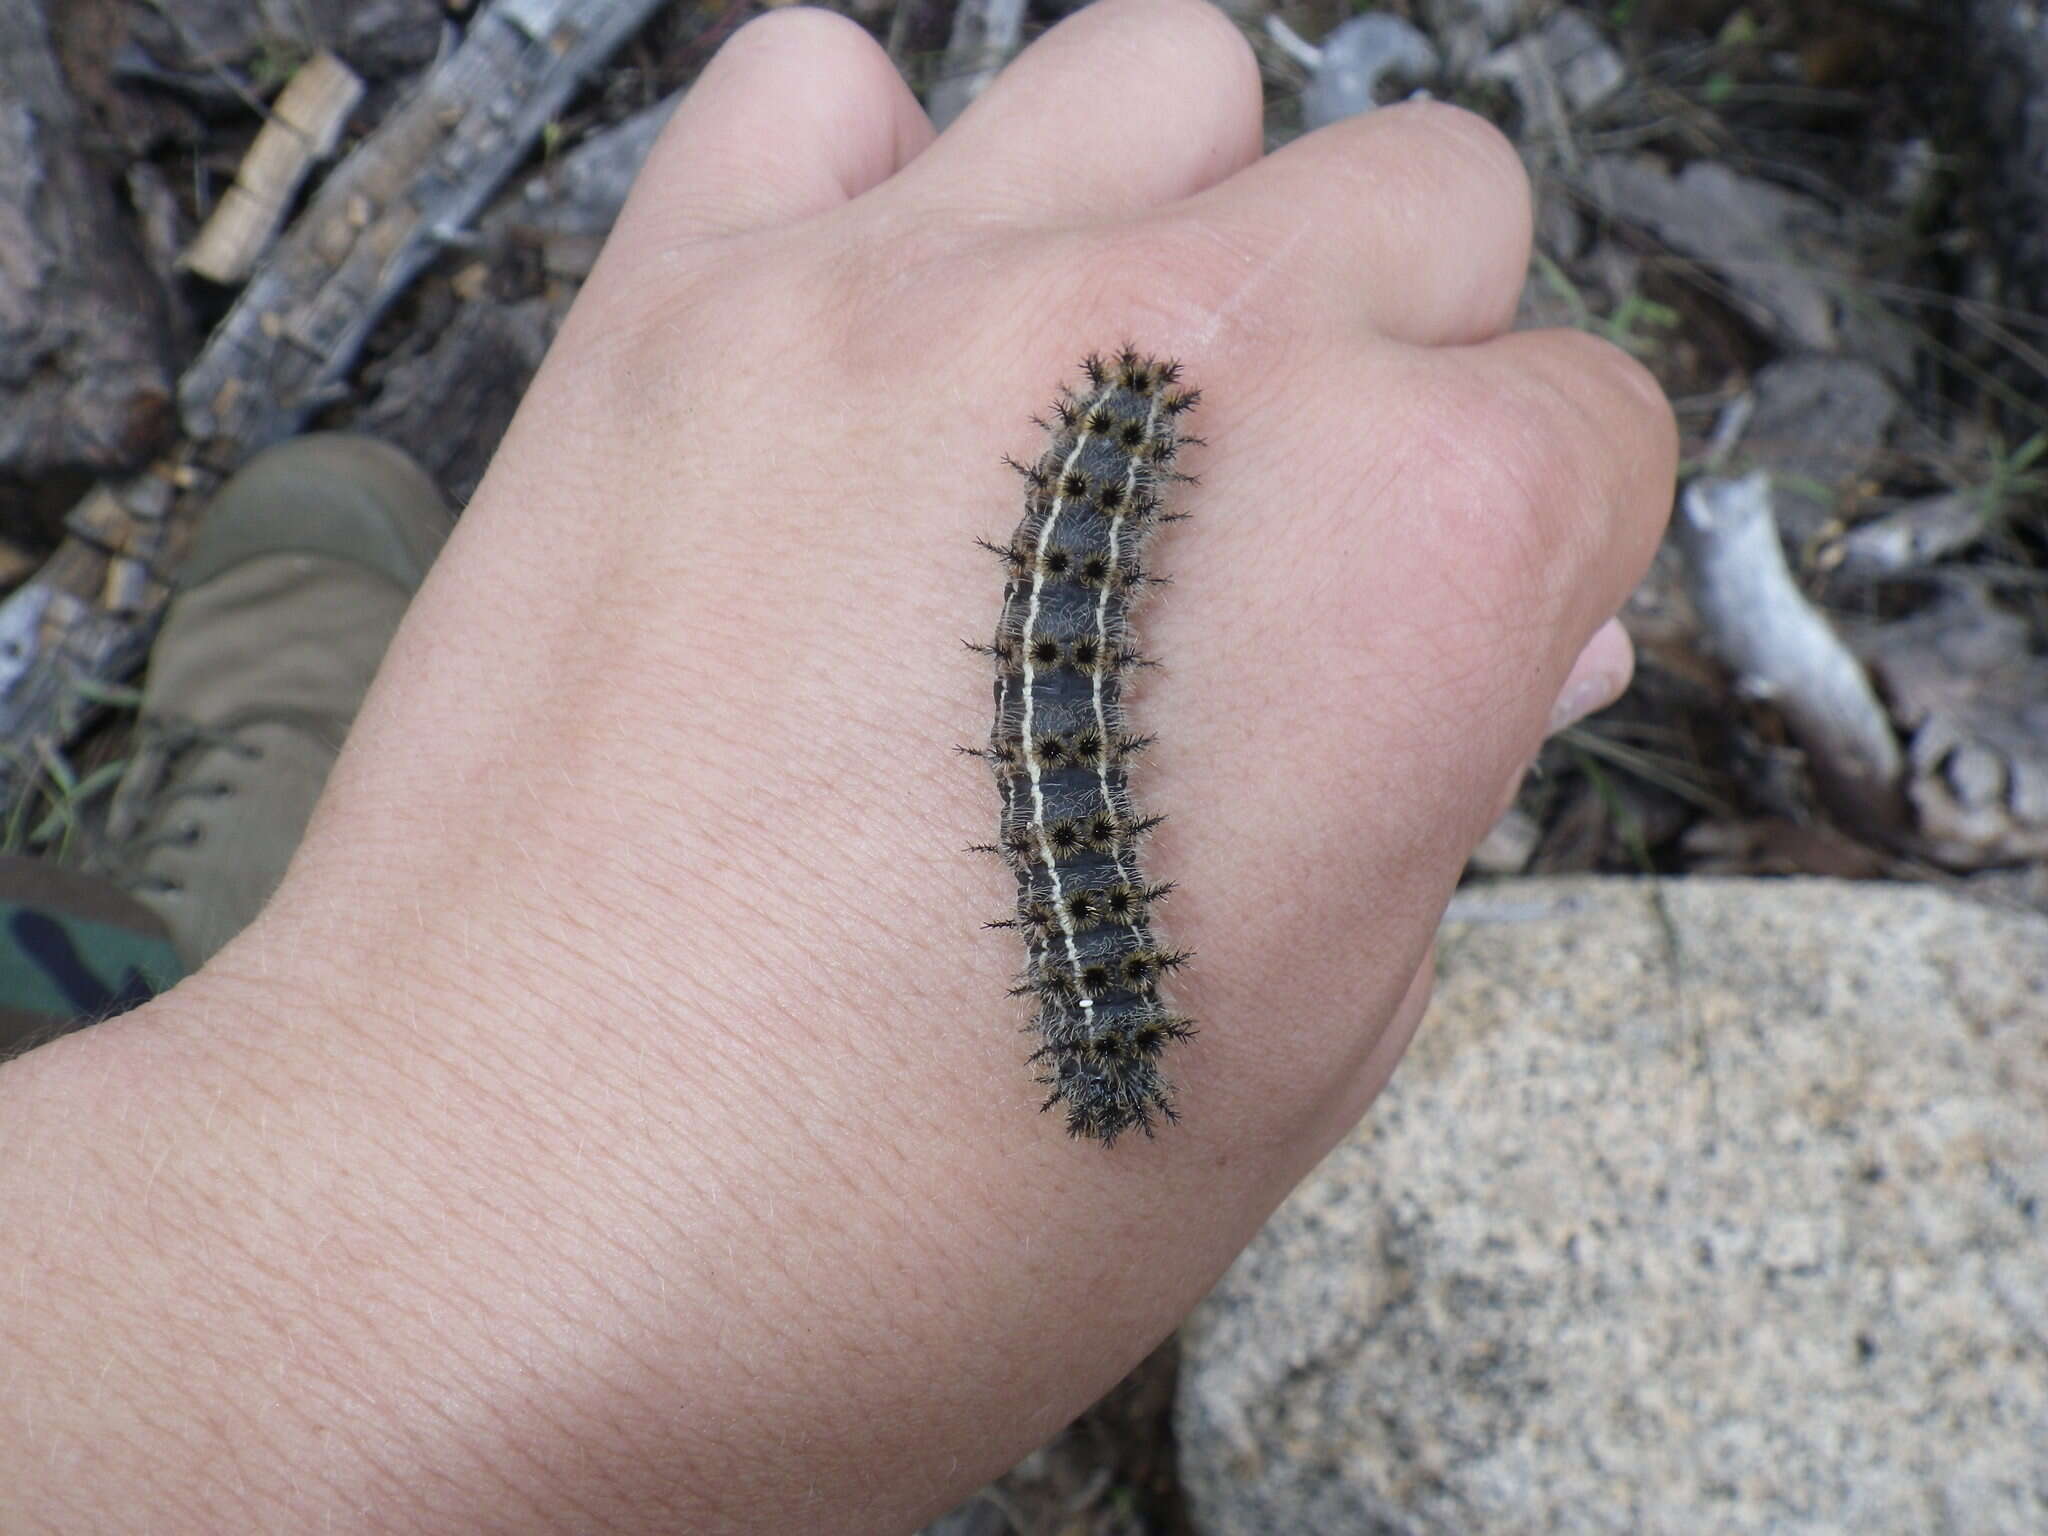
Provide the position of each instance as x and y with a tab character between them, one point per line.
1061	748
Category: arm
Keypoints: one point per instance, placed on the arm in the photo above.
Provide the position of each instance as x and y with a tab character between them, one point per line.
617	1121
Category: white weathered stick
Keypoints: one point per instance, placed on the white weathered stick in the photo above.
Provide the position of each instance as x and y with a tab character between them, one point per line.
1783	650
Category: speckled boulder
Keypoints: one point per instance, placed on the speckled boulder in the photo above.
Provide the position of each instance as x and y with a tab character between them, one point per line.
1702	1206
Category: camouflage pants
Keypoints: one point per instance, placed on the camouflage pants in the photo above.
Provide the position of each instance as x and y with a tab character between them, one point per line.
73	950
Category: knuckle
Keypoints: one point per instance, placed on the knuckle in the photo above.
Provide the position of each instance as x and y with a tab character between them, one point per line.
1206	30
1192	18
1451	142
1637	397
792	29
1509	427
1567	445
1595	366
1514	456
1467	135
1613	414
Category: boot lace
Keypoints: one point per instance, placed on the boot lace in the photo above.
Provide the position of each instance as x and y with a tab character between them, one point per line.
142	817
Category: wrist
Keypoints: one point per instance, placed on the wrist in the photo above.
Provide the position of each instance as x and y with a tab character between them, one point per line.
276	1290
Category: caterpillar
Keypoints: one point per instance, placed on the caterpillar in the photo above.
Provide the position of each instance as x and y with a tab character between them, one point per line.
1061	749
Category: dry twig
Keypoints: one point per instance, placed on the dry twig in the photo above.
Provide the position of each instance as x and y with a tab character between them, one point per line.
1783	650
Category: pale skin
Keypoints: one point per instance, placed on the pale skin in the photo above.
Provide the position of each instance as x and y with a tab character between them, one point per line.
616	1121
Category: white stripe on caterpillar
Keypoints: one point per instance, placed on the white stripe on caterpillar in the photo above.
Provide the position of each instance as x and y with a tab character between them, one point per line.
1031	762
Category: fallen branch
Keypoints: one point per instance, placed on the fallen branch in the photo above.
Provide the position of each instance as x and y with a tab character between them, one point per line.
1783	650
286	347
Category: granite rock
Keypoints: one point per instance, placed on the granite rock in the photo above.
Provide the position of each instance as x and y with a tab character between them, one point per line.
1699	1206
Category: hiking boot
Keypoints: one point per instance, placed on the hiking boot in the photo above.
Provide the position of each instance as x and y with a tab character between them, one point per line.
299	575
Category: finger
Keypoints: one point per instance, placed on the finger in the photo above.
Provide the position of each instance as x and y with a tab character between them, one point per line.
1413	221
1599	446
798	113
1123	106
1478	514
1564	451
1597	678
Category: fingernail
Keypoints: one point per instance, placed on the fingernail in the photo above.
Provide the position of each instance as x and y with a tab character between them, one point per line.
1598	677
1585	696
1513	792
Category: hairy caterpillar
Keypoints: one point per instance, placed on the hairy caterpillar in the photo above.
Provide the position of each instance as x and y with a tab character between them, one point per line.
1060	748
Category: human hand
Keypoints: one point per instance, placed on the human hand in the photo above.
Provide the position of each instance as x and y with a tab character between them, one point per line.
617	1120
